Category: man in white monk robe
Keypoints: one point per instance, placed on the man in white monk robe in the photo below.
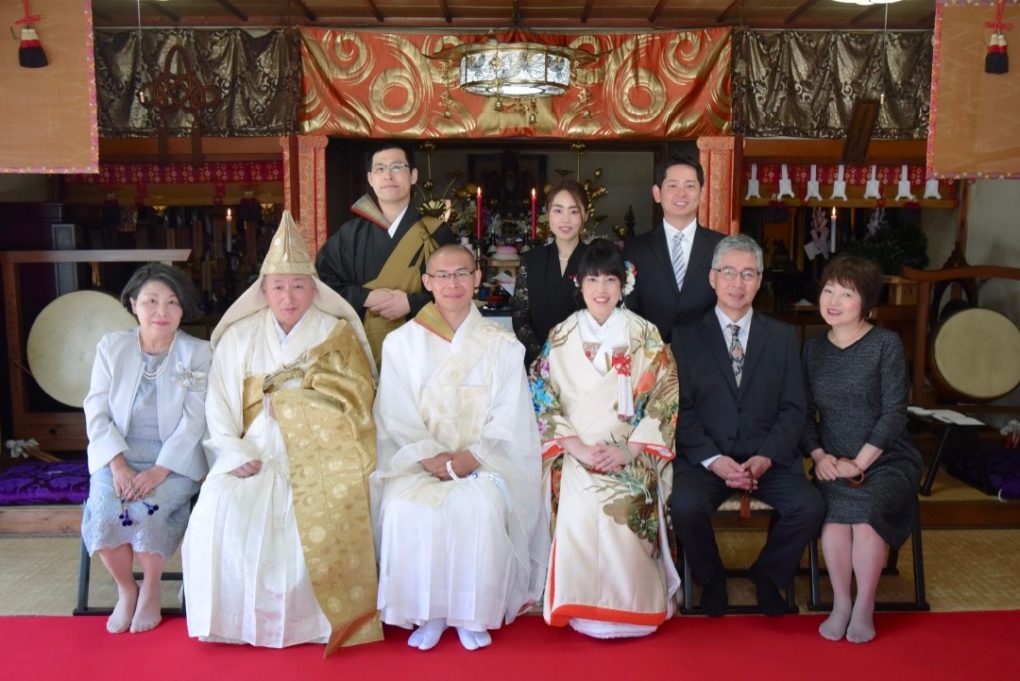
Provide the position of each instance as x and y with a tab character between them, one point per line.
279	548
456	495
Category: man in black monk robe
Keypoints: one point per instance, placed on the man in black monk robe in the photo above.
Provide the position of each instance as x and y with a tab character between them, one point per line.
375	260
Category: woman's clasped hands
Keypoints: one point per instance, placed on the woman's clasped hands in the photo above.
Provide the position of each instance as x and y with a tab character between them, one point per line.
130	485
602	457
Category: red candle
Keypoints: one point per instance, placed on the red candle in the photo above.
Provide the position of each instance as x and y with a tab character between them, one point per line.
534	216
478	214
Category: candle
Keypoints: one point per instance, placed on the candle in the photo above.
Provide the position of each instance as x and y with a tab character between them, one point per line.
230	230
534	216
832	232
478	214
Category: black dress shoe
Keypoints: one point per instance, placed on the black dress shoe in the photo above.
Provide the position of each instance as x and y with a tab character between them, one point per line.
770	601
714	598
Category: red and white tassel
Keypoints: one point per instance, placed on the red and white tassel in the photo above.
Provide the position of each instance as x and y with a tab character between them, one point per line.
30	52
997	61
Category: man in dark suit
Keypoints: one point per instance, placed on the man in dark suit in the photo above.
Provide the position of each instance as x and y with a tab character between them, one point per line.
673	259
742	409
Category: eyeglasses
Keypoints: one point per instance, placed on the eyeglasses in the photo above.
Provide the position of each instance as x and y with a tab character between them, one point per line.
444	277
395	168
731	273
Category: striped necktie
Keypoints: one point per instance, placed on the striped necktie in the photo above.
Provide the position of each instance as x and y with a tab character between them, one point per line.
679	264
736	352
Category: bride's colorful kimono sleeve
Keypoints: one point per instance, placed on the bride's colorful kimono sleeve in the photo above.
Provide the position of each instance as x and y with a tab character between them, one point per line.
553	424
656	393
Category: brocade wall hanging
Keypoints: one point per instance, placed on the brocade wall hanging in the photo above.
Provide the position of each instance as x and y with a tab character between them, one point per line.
254	75
975	121
805	83
652	86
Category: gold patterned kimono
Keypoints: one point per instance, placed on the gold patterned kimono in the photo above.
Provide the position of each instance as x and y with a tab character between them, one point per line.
610	561
286	556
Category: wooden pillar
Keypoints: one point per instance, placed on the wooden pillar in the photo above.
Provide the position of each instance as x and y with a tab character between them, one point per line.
721	159
304	185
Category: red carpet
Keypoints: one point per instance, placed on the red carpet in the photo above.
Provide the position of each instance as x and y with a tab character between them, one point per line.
926	646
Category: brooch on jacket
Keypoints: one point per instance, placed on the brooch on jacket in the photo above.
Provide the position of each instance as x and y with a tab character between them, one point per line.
190	379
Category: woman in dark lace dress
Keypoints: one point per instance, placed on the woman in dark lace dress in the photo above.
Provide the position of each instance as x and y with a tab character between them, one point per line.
865	465
545	294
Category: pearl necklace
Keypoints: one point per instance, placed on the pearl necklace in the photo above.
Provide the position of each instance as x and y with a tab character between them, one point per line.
153	375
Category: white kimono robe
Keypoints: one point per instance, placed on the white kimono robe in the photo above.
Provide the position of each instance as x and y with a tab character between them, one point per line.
472	550
245	578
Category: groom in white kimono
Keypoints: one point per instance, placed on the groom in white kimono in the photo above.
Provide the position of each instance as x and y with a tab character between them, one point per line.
456	495
279	548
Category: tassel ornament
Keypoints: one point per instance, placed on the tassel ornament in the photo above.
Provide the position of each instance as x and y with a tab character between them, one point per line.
30	51
997	60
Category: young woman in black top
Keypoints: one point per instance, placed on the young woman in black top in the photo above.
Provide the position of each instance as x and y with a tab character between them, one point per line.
545	294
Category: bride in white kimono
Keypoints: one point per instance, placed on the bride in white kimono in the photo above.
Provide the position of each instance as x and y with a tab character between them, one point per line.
605	393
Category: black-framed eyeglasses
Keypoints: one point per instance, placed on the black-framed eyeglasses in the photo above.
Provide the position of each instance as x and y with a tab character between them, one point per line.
394	168
459	275
731	273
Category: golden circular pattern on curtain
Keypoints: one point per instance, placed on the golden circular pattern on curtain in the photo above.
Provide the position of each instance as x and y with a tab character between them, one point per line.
638	94
351	59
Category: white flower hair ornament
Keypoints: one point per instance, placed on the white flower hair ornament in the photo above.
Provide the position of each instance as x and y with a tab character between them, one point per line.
629	277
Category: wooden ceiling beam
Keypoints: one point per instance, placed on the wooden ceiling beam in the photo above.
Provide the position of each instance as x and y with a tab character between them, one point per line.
726	12
374	10
656	11
445	9
303	8
865	15
804	6
927	19
233	10
586	12
159	9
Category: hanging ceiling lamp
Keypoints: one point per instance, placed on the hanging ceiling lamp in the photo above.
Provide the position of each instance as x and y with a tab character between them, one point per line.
515	68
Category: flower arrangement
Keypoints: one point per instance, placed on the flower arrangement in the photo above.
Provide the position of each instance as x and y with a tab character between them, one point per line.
1011	434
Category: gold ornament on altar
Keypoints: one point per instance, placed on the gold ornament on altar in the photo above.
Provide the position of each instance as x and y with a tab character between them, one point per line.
441	207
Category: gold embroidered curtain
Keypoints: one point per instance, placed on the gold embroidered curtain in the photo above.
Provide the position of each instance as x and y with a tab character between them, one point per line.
662	85
254	74
805	83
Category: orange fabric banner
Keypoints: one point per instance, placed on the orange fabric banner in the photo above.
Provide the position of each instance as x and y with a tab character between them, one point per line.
48	115
650	86
974	130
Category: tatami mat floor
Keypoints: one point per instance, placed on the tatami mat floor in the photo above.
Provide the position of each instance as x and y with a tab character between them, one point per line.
965	570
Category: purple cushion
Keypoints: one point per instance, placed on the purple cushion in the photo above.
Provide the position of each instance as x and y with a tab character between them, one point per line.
41	482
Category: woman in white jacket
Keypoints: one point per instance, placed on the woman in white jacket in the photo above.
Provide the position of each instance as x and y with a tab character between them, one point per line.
145	418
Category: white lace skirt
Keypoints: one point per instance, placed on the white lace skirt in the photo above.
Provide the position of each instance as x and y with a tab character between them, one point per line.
153	525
